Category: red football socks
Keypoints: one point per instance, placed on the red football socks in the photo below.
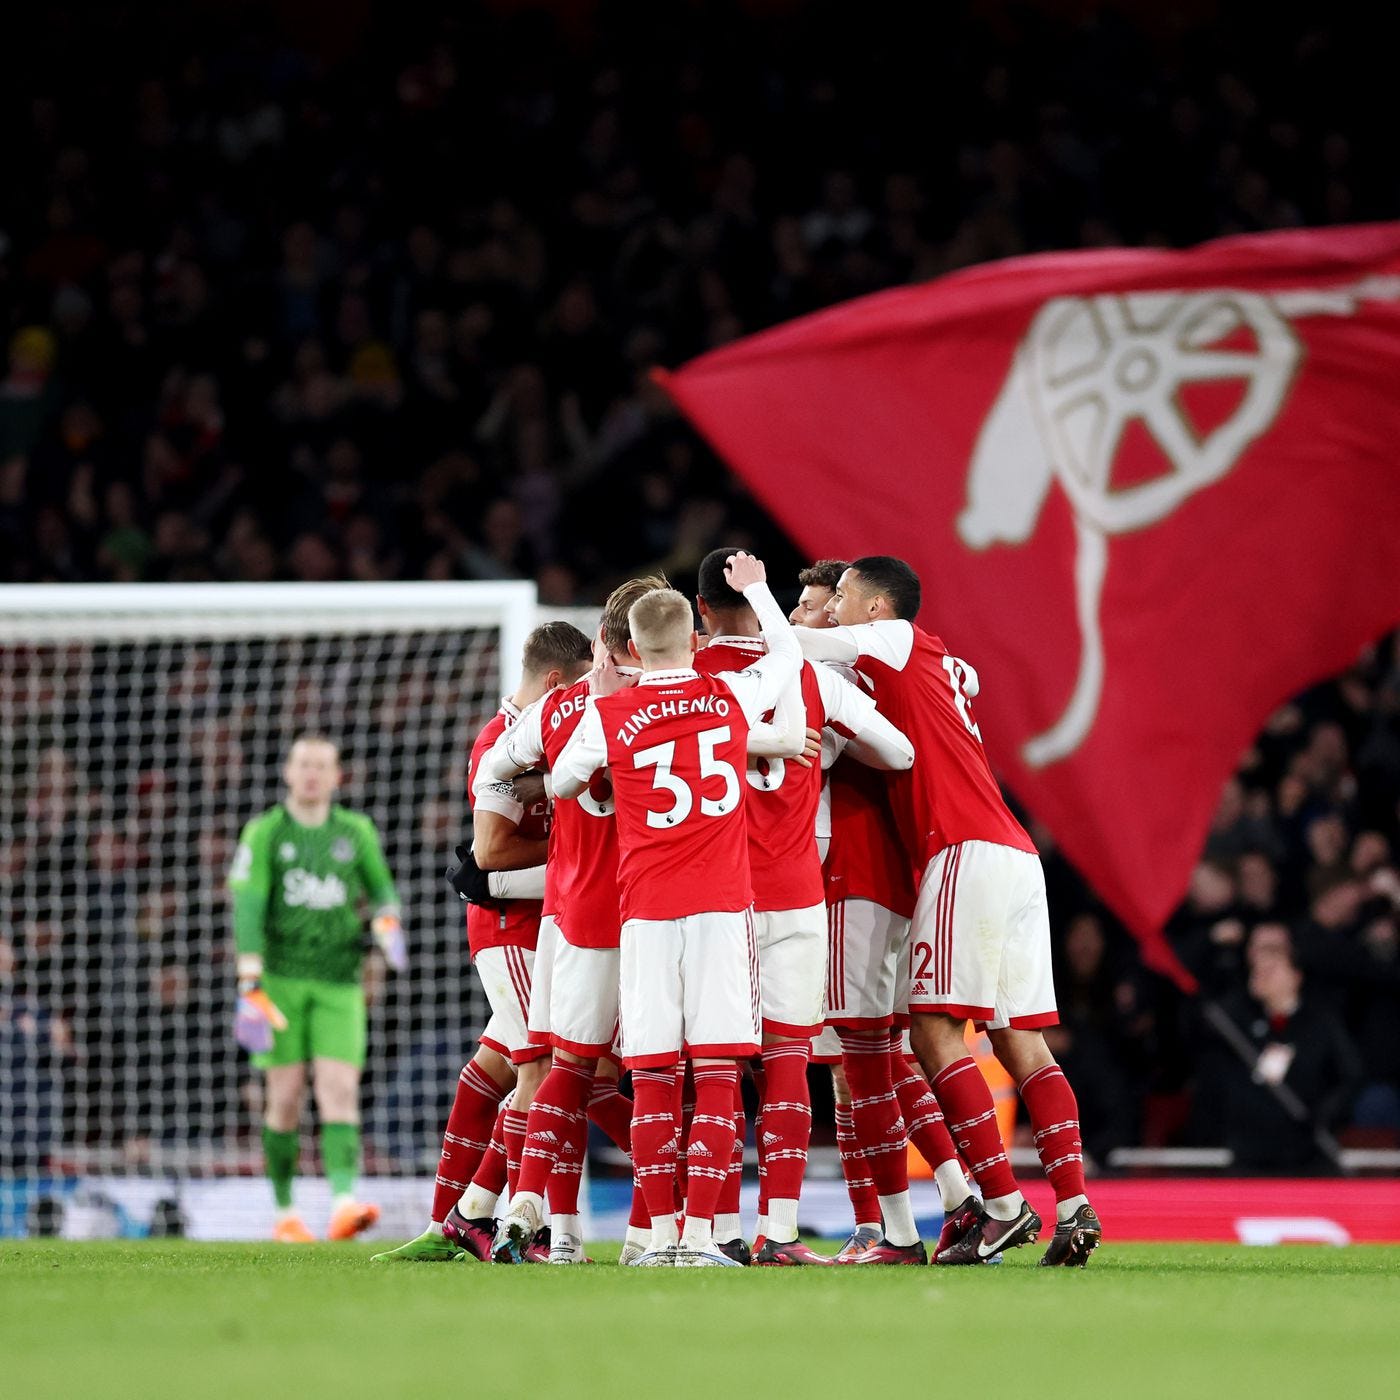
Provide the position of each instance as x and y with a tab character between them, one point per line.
513	1128
491	1173
860	1185
787	1119
711	1146
972	1120
1054	1115
654	1137
467	1135
923	1120
556	1129
611	1110
865	1056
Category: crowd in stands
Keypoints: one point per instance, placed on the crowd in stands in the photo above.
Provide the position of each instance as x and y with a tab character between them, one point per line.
380	299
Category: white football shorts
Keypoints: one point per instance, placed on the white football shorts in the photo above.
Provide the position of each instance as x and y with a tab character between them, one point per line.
792	969
689	985
865	947
506	976
980	947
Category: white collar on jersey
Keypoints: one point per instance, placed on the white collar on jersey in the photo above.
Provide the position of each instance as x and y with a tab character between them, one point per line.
509	708
681	673
627	672
743	643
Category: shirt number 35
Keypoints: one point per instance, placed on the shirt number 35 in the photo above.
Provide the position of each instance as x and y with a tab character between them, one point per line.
662	757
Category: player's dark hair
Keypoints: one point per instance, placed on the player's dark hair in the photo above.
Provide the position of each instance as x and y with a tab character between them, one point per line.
711	584
894	579
556	644
616	630
825	573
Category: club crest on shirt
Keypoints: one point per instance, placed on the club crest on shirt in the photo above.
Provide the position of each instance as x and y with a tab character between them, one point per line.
287	851
342	850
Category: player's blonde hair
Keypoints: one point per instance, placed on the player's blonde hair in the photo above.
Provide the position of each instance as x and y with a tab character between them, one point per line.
661	622
616	631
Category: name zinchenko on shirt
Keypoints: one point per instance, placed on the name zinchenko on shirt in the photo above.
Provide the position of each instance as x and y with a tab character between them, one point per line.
667	709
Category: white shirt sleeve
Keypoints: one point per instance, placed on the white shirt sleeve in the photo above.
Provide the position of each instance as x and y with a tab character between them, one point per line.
874	741
583	755
890	640
518	748
517	884
759	687
786	736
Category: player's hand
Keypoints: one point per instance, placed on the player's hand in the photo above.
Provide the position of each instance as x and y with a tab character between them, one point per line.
388	934
470	881
529	788
742	569
603	679
811	749
256	1019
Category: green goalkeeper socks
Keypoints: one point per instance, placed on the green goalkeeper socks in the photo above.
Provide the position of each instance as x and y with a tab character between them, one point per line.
280	1157
340	1156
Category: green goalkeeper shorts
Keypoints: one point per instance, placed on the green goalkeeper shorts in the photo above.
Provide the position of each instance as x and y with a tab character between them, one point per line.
325	1021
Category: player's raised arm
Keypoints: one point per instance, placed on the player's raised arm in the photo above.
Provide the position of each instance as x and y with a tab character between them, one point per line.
786	735
871	738
583	755
760	686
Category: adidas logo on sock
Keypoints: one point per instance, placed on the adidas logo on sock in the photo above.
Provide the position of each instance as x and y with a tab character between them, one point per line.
698	1149
896	1129
668	1148
545	1136
928	1101
770	1138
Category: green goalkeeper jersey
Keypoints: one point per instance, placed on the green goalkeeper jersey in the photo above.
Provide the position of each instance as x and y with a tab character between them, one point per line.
297	892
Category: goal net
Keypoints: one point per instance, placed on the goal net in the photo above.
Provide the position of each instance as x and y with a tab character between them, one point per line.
140	727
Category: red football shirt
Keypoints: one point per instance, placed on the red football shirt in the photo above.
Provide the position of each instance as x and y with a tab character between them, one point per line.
676	748
784	796
584	837
514	923
866	859
949	795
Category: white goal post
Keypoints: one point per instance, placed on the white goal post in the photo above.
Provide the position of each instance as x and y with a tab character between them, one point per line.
140	726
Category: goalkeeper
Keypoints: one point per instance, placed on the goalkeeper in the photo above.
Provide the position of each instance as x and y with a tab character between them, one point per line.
299	876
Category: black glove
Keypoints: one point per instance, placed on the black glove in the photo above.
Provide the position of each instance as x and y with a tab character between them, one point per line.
471	882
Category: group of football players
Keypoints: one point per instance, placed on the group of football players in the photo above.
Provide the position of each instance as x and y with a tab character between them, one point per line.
700	859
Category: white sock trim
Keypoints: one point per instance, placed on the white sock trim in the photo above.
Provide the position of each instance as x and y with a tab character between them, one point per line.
1065	1209
728	1226
898	1214
952	1184
1005	1207
782	1220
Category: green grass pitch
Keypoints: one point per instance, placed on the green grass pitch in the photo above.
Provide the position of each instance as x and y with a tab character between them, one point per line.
156	1319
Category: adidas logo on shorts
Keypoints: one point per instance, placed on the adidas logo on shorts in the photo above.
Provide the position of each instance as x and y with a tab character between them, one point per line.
919	989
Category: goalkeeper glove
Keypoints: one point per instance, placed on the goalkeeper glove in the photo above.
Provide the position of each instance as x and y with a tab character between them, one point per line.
388	933
257	1017
470	881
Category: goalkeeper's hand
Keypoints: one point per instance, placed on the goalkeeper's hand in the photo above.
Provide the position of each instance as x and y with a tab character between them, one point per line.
257	1018
388	934
470	881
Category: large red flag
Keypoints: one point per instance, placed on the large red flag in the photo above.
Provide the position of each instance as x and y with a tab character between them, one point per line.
1150	494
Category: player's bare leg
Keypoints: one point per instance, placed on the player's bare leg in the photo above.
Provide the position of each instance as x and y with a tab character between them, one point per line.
1054	1114
1007	1221
336	1085
285	1093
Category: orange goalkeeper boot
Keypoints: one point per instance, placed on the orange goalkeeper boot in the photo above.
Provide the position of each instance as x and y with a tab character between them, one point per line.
351	1219
290	1229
